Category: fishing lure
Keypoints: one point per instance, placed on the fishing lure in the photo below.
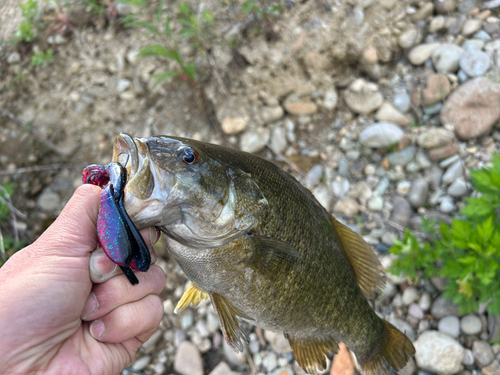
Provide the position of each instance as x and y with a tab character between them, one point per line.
118	235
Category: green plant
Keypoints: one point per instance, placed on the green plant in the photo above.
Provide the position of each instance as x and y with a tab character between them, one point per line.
466	253
8	245
42	58
94	6
28	28
195	28
262	13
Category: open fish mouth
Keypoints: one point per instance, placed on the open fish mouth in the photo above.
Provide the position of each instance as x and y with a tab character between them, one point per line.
146	183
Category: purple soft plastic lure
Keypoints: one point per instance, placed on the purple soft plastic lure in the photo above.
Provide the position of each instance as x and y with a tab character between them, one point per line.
118	235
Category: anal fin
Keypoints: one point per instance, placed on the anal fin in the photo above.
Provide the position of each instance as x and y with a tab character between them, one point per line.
231	327
311	353
193	294
367	269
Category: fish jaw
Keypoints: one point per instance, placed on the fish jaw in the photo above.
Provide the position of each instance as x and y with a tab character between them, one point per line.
148	187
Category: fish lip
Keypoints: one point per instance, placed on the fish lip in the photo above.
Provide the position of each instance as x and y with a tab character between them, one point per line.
125	144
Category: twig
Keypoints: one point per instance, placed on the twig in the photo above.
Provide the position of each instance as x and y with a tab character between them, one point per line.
36	169
29	127
251	363
290	163
216	73
11	207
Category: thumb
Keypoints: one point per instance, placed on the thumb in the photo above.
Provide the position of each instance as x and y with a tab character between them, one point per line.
74	232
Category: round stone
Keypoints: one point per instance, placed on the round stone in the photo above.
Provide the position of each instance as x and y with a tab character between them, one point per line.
450	325
475	63
471	324
410	295
439	353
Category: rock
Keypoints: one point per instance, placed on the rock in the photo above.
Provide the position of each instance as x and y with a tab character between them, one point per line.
403	187
420	54
471	324
482	353
471	26
278	139
141	363
313	177
473	108
234	125
340	186
402	157
346	206
458	188
450	325
271	114
14	58
278	342
401	100
188	360
475	63
446	58
493	369
494	326
440	153
408	38
390	114
381	134
410	295
447	205
443	307
363	97
437	89
330	100
423	13
401	212
455	171
415	311
375	203
418	192
254	141
300	108
444	6
222	369
270	361
437	24
439	353
403	326
49	200
435	137
468	358
238	359
425	301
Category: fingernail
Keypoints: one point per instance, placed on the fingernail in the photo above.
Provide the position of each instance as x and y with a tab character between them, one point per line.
156	233
97	329
101	267
90	306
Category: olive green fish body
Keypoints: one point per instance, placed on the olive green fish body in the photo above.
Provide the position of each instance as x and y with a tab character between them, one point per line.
260	246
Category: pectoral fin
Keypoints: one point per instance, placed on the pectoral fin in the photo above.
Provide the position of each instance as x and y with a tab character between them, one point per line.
193	294
311	353
271	256
367	269
230	324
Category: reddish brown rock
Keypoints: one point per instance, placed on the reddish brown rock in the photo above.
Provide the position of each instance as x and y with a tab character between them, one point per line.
473	108
438	88
440	153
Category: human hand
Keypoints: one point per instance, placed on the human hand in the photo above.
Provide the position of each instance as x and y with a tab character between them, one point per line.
63	310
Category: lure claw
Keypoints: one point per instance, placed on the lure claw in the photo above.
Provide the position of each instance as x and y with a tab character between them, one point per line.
118	235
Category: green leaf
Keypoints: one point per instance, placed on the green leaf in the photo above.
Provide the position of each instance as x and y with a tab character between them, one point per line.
148	26
163	76
477	208
138	3
159	11
168	29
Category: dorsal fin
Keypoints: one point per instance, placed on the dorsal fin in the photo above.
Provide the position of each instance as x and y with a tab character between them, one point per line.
369	273
193	294
311	353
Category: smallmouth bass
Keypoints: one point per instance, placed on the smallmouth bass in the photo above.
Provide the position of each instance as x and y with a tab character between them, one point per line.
259	245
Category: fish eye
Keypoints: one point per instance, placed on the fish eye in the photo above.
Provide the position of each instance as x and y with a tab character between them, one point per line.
188	156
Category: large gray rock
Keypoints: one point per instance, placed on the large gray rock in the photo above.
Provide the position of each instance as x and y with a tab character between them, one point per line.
482	353
418	192
439	353
381	134
401	213
473	108
443	307
475	63
471	324
450	325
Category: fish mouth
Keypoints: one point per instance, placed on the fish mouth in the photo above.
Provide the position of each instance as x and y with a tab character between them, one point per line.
147	190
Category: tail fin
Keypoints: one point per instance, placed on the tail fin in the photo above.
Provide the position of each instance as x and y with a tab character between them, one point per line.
395	352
